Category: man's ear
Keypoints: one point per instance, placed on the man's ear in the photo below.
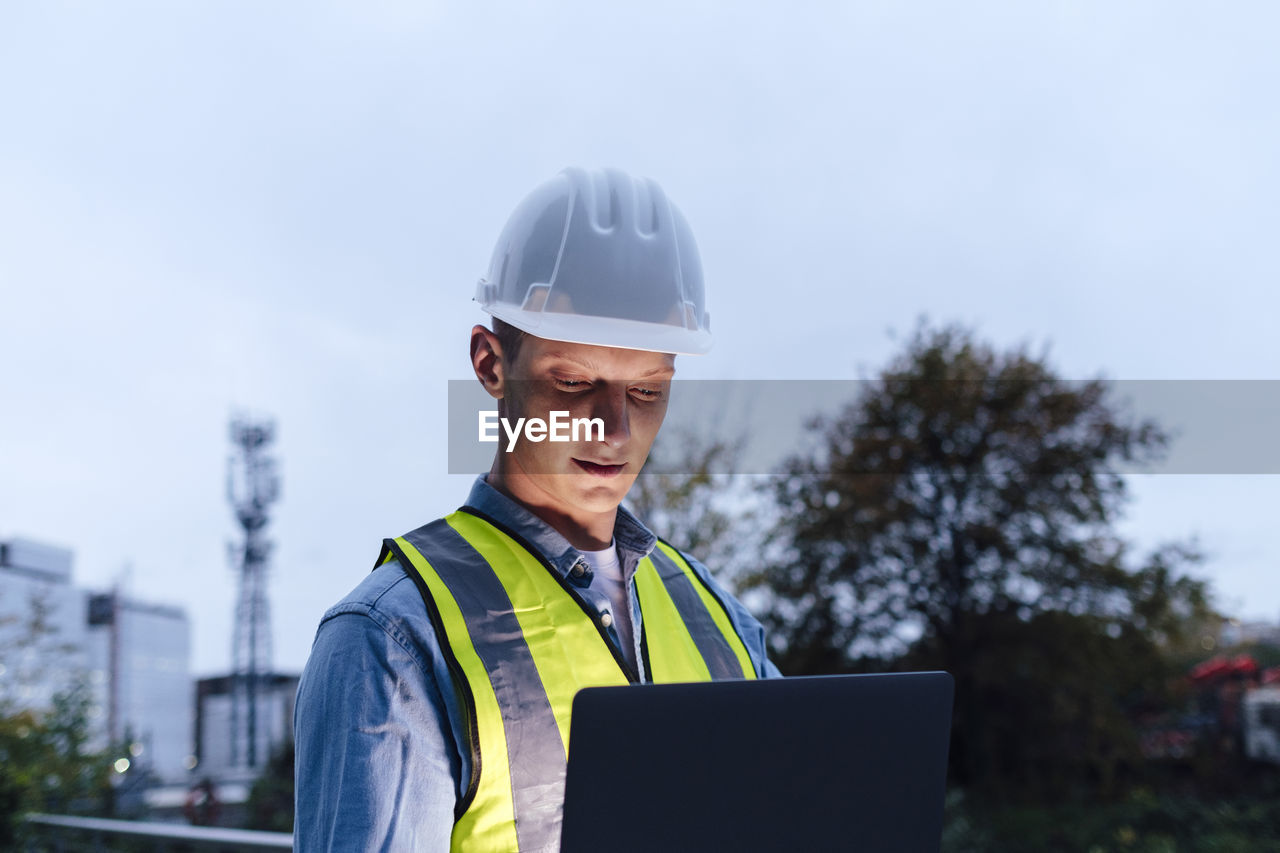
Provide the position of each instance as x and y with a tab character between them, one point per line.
487	360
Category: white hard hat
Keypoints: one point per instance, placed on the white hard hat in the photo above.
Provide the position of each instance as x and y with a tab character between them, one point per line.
600	257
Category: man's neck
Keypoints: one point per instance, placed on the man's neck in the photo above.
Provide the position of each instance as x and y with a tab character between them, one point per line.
585	531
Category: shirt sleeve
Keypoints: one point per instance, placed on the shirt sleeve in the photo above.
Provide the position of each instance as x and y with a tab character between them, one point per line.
376	766
748	626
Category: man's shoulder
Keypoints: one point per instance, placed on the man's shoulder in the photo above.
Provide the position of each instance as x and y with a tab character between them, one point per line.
388	588
386	592
748	627
718	589
700	568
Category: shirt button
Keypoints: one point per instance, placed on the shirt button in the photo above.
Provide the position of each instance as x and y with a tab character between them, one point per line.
606	620
578	570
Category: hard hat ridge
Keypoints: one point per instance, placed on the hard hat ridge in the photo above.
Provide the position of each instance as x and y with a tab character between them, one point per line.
600	257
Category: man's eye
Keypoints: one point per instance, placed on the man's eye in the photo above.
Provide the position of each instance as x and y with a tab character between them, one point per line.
571	384
648	393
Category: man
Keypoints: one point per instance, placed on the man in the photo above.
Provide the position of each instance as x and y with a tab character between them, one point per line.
433	712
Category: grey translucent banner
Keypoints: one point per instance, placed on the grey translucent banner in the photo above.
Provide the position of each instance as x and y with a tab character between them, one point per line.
1214	426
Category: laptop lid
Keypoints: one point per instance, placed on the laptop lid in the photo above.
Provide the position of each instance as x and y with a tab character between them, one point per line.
850	762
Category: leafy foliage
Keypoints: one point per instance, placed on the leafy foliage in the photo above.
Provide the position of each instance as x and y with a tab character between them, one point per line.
1140	823
960	517
270	805
46	764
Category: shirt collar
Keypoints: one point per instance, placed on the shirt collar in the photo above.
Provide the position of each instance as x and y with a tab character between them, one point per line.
633	539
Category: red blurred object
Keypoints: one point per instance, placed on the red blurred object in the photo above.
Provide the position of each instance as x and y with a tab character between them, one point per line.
1221	667
1211	668
1244	665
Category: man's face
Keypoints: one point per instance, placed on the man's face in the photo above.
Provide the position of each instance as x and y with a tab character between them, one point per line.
627	389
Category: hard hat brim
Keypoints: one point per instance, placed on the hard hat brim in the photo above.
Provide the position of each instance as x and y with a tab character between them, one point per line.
605	331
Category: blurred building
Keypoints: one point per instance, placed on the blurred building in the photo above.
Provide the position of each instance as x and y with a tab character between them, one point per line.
214	758
135	656
1236	632
144	650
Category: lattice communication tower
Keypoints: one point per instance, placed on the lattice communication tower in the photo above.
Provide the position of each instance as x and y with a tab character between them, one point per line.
252	486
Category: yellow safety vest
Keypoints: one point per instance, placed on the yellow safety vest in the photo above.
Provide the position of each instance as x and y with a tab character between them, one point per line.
520	644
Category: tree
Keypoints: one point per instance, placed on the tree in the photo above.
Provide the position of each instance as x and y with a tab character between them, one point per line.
270	805
46	763
959	516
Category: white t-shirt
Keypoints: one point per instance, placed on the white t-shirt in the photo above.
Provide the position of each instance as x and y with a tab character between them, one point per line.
607	571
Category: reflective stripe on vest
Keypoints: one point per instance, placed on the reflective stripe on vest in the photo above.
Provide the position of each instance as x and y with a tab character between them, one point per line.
520	644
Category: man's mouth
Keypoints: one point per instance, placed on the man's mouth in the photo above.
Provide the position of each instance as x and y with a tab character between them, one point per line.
598	469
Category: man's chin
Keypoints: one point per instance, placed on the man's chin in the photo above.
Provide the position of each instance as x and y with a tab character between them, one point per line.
598	494
581	487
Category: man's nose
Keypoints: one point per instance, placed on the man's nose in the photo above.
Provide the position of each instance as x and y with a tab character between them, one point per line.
610	405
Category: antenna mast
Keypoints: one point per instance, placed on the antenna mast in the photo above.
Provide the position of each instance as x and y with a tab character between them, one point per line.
252	486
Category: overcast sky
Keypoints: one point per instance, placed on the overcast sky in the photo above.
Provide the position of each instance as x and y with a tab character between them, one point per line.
285	207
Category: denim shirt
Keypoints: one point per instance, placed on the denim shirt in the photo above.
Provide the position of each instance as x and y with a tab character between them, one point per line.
382	752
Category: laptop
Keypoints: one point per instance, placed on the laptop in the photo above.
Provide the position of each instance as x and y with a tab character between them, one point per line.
815	763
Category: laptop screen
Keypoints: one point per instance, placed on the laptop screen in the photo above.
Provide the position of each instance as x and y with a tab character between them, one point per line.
853	762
